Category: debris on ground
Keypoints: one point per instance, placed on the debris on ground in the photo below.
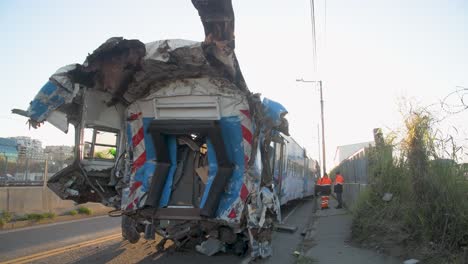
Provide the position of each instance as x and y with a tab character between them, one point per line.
387	197
210	247
411	261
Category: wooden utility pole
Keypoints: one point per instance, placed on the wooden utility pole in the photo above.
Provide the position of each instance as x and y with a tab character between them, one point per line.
324	167
323	130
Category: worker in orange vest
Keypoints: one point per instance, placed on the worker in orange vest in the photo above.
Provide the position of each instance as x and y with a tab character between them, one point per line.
317	186
325	190
338	188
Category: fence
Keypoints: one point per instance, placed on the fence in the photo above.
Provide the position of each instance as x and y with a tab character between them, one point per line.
28	171
20	200
356	175
23	190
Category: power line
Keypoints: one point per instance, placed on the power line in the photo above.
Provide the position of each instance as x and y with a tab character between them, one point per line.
325	25
314	36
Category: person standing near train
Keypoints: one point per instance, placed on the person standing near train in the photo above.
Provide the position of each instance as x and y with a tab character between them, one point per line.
325	190
318	184
338	189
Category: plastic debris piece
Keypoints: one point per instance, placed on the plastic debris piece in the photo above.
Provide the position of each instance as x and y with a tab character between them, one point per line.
202	172
387	197
265	249
411	261
210	246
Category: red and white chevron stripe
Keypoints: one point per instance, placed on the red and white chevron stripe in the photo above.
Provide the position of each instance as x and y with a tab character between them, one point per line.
247	136
246	127
138	141
139	155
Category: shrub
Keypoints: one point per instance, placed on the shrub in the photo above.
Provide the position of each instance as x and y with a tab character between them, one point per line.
49	215
6	216
39	217
21	218
73	212
2	222
35	217
84	210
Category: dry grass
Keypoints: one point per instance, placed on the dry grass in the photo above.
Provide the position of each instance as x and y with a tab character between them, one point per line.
428	214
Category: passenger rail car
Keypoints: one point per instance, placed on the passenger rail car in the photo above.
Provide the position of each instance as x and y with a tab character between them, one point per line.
295	174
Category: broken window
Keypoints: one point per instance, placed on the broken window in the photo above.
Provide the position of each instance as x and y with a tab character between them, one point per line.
100	144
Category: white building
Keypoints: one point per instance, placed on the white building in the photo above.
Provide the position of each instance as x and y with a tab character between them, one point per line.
29	148
59	153
346	151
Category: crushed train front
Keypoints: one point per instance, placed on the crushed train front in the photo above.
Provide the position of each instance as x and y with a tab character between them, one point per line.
178	146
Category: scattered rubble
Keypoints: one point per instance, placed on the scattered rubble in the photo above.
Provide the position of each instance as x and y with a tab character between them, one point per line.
210	247
387	197
411	261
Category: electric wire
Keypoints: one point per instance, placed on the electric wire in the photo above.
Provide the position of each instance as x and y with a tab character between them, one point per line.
314	37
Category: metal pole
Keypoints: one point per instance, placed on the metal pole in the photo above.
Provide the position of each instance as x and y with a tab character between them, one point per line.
323	130
6	164
324	167
318	145
26	170
46	172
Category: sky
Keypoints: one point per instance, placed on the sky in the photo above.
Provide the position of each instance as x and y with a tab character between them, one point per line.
371	54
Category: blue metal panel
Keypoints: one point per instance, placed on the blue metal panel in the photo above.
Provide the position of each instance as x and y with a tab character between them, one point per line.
49	98
38	109
149	145
232	137
274	110
292	186
166	194
56	100
144	175
48	88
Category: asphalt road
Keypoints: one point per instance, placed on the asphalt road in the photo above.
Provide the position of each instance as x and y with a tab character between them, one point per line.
27	242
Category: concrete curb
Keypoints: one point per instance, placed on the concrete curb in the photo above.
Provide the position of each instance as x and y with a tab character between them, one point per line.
57	219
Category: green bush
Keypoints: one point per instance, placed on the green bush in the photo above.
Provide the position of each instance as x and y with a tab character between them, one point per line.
6	216
35	217
84	210
2	222
38	217
49	215
21	218
73	212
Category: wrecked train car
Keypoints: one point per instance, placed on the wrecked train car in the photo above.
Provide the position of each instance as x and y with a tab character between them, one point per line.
169	134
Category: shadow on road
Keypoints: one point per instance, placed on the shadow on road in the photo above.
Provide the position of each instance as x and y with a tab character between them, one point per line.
297	213
145	252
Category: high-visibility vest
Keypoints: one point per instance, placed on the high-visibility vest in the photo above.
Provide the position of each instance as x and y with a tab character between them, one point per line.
326	181
339	179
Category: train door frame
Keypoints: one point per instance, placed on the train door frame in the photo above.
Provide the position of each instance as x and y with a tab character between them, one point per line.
281	141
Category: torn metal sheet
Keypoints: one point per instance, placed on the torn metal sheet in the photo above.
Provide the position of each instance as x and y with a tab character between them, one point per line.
57	92
275	112
59	120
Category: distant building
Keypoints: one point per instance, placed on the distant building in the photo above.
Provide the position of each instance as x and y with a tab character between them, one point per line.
346	151
29	148
59	153
8	149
